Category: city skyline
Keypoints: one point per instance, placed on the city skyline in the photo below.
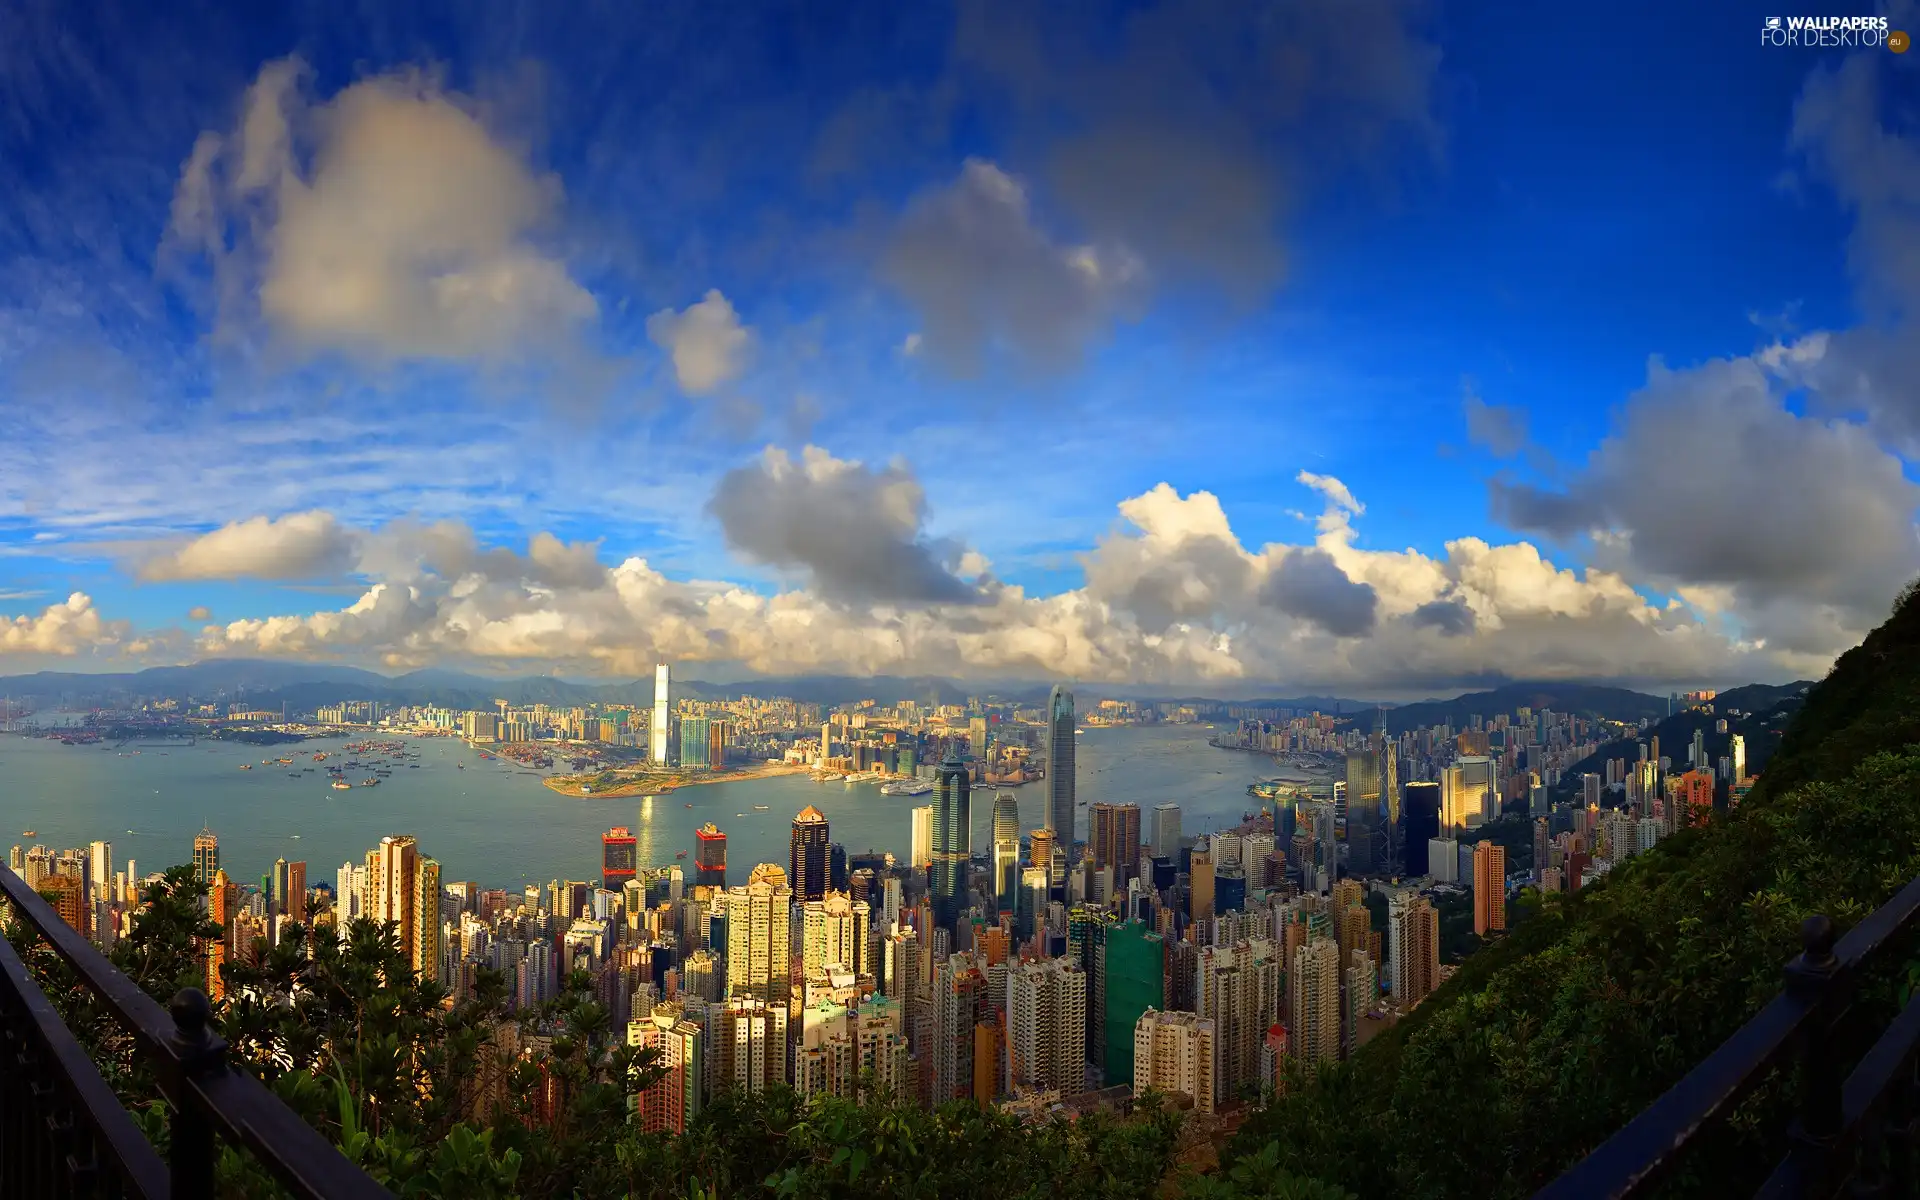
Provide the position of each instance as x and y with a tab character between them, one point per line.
1290	441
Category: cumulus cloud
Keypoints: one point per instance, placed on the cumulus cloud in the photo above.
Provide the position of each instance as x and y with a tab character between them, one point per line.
387	222
62	630
199	612
1708	479
987	280
707	343
1171	595
303	545
856	531
1309	585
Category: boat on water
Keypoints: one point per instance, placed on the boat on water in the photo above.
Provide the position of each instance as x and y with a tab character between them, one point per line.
689	804
906	787
831	778
460	766
756	808
29	833
340	785
369	781
682	854
246	766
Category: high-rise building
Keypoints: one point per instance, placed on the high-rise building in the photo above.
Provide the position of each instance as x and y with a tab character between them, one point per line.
674	1099
1006	851
1413	947
1047	1026
206	855
759	937
1174	1052
1315	1018
952	842
808	849
1470	793
68	895
958	1000
835	935
920	856
619	857
657	729
1059	814
1200	886
1490	886
696	734
1237	987
403	887
709	856
750	1044
1696	797
223	902
1115	839
1166	830
977	737
1134	982
100	870
1738	753
1421	806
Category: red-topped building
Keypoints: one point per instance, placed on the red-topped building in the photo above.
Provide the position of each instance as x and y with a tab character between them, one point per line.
619	855
709	856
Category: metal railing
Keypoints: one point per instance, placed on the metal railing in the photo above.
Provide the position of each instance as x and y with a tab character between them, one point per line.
63	1132
1857	1134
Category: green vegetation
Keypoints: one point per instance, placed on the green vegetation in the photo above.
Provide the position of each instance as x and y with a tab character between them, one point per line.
1557	1034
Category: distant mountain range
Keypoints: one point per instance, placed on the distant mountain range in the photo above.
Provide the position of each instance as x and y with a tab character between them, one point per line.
305	686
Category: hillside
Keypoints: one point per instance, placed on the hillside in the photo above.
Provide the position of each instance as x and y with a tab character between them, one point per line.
1595	1003
1617	704
1761	726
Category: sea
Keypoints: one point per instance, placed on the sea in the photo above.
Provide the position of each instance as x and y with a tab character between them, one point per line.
491	822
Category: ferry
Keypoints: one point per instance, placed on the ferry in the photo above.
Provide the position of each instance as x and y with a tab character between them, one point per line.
831	778
756	808
340	785
906	787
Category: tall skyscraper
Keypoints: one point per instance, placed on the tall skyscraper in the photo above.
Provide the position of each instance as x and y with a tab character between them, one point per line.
1059	814
1314	1033
1421	809
1166	831
1134	982
1738	753
1006	851
1114	837
759	937
1413	947
952	841
223	901
835	935
808	847
619	857
100	870
958	997
206	856
709	856
657	731
297	892
1237	987
920	855
1490	886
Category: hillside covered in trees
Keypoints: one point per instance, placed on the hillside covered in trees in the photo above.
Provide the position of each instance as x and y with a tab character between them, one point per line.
1556	1036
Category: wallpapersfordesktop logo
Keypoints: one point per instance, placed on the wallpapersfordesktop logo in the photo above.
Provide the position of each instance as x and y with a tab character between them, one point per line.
1835	33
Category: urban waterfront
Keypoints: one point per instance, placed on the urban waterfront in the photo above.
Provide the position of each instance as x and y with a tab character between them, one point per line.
494	823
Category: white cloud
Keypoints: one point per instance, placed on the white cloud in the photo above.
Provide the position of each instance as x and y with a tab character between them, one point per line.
62	630
1171	596
707	342
385	223
302	545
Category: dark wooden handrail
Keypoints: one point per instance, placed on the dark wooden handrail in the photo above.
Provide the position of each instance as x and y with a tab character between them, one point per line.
207	1096
1836	1120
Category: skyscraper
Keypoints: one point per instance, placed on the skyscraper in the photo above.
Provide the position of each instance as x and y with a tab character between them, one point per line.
1738	753
403	887
920	855
1114	837
809	855
1237	987
619	857
1173	1052
1006	851
206	855
657	740
1413	947
100	869
297	892
1490	886
1059	814
952	841
1047	1026
1422	821
759	937
1313	1034
1134	983
1166	831
709	856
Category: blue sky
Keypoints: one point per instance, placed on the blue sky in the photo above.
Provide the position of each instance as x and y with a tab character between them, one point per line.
1355	281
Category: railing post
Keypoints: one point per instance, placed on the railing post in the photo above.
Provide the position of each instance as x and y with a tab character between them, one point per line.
199	1052
1818	1124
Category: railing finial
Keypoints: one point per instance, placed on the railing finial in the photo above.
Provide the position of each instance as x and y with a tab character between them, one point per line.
1817	937
200	1048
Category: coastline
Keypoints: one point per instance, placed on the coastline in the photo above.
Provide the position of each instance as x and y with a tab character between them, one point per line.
664	785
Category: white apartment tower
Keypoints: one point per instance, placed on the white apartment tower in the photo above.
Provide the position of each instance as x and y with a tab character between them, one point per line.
1047	1026
1237	987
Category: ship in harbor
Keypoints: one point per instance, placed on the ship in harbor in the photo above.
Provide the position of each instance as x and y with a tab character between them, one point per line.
340	785
906	787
